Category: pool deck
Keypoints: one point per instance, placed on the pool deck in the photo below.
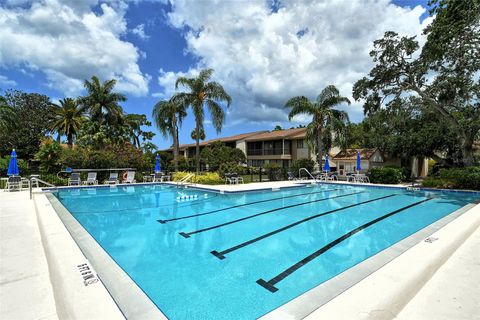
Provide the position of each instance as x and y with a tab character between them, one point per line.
39	277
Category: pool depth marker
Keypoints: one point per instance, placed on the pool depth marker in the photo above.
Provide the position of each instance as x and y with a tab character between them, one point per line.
242	205
270	284
221	255
188	234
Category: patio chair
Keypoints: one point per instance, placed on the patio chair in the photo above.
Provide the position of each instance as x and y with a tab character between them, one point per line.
130	178
91	179
14	183
74	179
158	177
229	179
291	176
237	179
112	179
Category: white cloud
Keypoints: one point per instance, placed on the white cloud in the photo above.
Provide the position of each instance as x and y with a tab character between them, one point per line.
4	81
263	58
139	31
69	43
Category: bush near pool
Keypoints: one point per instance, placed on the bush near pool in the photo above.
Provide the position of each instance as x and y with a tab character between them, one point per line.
206	178
386	175
455	178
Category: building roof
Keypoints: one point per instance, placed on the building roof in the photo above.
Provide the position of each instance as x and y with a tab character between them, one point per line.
234	138
351	154
279	134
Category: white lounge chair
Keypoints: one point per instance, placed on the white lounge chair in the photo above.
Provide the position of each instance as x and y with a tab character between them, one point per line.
112	179
74	179
130	177
91	179
14	183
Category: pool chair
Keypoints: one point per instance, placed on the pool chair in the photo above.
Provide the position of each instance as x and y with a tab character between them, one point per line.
291	176
112	179
160	177
14	183
74	179
130	178
91	179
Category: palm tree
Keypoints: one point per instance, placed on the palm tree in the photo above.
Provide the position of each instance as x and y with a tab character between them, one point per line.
201	93
7	116
168	116
67	119
326	122
101	102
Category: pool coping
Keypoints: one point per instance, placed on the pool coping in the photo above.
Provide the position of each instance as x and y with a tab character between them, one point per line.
129	297
314	299
300	307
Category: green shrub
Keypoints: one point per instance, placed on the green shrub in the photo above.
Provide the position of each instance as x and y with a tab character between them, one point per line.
49	156
210	178
302	163
53	179
386	175
455	178
231	167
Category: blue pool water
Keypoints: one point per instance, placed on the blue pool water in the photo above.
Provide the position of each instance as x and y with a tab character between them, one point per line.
293	239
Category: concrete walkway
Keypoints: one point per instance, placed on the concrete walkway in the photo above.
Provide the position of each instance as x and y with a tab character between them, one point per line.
454	290
25	288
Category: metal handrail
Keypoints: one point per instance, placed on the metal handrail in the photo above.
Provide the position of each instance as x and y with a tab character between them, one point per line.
38	180
185	179
308	172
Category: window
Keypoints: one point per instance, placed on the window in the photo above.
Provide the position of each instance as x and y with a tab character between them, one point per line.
301	143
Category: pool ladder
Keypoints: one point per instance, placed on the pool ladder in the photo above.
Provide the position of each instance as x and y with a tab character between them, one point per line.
308	172
183	181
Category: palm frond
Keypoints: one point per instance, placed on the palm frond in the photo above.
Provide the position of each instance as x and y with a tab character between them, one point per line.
217	114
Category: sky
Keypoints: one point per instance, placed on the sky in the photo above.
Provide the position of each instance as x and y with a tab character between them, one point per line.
263	52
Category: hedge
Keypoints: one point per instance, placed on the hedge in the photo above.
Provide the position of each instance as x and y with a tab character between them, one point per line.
455	178
386	175
206	178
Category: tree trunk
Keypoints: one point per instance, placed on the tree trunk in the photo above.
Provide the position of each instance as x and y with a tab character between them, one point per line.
175	143
197	147
466	145
70	140
319	148
59	139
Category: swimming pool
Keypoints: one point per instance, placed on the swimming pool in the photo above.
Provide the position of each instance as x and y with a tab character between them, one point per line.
203	255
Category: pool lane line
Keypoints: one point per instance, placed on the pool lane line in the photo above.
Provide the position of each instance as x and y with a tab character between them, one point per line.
270	284
188	234
242	205
221	255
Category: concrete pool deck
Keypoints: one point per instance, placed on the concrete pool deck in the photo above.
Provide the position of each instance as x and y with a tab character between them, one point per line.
42	294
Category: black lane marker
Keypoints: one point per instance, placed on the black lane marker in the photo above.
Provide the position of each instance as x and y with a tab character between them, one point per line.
242	205
188	234
270	284
221	255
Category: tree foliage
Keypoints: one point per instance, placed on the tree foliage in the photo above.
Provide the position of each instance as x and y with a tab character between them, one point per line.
203	92
67	119
326	121
218	153
443	75
33	122
168	116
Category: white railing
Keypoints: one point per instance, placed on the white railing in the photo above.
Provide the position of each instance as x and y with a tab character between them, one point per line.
308	172
184	180
37	180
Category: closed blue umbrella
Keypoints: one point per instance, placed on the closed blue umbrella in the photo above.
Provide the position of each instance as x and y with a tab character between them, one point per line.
13	166
359	162
326	166
158	167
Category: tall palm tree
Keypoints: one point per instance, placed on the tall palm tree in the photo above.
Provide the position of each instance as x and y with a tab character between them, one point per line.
67	119
203	92
101	102
8	118
168	116
326	121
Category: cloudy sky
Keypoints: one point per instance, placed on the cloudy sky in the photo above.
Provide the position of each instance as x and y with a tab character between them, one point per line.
263	52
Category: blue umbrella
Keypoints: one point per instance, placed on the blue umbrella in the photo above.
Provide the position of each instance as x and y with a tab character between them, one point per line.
326	166
158	167
359	164
13	166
